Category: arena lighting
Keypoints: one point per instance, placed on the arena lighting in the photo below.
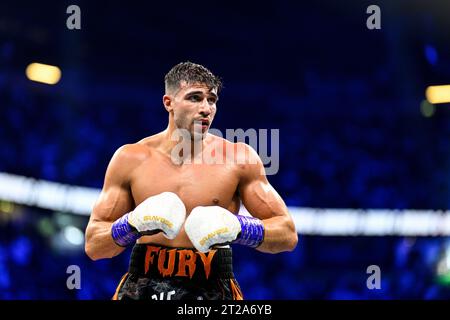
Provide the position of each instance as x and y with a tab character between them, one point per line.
73	235
46	194
43	73
438	94
443	267
6	207
308	221
427	109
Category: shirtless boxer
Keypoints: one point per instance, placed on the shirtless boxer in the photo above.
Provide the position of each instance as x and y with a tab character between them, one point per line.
181	216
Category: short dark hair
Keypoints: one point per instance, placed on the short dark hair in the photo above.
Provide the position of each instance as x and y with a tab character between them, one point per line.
191	73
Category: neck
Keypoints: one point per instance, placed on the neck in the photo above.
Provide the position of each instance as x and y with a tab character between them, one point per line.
180	145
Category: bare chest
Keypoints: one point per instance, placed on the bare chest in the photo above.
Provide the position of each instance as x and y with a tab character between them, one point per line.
195	184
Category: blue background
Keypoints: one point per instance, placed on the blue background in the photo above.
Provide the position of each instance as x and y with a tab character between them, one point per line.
347	101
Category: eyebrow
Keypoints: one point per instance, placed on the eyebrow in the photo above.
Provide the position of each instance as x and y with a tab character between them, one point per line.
201	92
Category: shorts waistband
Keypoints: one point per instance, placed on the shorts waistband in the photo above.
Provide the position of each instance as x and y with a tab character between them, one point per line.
156	261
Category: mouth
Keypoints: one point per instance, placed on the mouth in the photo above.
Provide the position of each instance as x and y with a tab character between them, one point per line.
204	123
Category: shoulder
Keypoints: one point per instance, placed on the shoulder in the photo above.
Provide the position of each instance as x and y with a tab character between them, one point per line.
246	155
249	164
138	151
129	156
245	159
125	159
240	152
133	152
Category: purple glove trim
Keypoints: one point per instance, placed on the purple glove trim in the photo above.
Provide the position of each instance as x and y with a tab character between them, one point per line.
252	231
123	233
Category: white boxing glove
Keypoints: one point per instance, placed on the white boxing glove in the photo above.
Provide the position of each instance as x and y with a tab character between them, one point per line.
164	212
212	225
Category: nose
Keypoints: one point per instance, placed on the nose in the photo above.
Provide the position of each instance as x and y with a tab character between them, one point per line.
205	108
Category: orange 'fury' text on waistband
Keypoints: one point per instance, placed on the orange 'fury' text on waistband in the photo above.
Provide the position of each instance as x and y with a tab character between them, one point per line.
187	259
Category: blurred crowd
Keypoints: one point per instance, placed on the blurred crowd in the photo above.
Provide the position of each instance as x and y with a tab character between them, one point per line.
347	149
335	151
348	103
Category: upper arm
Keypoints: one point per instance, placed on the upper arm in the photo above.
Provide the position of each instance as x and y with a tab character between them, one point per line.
257	194
115	198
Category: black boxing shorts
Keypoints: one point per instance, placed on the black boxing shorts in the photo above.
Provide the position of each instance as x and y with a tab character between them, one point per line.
164	273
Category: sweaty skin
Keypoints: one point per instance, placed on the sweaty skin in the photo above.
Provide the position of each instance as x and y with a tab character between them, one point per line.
146	168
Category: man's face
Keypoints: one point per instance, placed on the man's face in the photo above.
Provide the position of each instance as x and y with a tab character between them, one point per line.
194	108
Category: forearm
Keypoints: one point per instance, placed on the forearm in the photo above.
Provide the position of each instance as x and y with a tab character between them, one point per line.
99	241
279	235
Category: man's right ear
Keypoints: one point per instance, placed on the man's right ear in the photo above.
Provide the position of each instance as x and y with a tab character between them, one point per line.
167	101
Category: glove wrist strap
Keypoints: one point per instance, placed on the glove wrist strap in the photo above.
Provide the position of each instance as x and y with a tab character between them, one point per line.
123	233
252	231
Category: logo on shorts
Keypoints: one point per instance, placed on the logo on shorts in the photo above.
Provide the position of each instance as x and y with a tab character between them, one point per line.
186	258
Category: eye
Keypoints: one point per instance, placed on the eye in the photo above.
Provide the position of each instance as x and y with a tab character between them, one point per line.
212	100
195	98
